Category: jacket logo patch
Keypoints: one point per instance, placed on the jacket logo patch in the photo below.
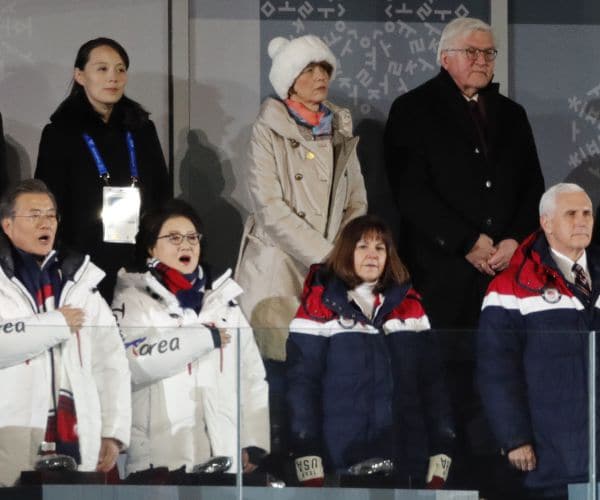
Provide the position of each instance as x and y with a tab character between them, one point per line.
18	327
551	295
346	322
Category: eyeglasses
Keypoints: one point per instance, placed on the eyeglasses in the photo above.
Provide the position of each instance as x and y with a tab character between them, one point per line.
473	54
177	238
38	217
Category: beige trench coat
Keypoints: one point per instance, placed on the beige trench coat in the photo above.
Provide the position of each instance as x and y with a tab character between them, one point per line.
303	191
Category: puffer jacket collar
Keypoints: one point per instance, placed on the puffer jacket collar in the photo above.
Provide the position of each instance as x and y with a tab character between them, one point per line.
536	270
70	262
149	283
334	296
77	271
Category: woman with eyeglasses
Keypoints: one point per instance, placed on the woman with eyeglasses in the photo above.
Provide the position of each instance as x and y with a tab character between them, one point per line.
181	334
101	157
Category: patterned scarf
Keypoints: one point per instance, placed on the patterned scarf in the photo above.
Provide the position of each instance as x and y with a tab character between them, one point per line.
188	288
320	122
44	283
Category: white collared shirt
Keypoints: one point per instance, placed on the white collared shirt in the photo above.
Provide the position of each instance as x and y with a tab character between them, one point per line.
565	265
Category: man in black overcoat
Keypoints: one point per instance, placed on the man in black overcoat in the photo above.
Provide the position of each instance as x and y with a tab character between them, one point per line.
464	170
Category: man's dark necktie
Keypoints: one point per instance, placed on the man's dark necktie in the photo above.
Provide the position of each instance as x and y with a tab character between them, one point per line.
582	285
479	123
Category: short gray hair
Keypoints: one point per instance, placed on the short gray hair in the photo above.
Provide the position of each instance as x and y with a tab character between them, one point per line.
548	199
459	28
34	186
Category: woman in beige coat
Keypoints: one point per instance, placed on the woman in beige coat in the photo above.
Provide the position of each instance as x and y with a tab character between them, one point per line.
305	184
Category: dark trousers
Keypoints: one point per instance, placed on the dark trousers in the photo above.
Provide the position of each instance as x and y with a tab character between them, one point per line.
278	463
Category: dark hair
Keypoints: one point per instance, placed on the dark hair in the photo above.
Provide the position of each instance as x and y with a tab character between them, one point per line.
152	222
324	64
83	56
340	261
33	186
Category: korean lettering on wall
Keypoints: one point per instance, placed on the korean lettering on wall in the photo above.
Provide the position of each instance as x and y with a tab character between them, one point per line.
583	155
384	47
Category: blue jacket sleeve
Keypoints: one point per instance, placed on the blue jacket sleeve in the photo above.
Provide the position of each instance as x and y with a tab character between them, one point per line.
500	375
306	355
436	401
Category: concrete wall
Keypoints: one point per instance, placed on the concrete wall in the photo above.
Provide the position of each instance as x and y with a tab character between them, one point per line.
38	43
383	47
548	61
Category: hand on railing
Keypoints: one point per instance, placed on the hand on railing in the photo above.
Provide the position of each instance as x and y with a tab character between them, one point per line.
309	470
109	452
437	473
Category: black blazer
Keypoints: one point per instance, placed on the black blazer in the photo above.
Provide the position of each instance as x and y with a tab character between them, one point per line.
449	190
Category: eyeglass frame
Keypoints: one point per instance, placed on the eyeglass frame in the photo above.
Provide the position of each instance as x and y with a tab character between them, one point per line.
38	217
472	53
192	238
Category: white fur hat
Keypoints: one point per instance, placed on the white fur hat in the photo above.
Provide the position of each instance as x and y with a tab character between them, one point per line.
290	57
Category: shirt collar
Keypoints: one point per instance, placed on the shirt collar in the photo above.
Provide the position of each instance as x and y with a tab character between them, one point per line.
565	264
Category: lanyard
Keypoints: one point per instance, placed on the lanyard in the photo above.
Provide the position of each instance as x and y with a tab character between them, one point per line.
102	171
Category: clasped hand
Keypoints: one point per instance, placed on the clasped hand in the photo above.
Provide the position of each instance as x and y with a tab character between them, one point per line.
488	258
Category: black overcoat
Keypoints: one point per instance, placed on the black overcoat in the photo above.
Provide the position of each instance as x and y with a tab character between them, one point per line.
67	166
450	188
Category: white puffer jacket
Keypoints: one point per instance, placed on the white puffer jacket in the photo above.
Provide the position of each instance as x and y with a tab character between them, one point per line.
93	360
181	384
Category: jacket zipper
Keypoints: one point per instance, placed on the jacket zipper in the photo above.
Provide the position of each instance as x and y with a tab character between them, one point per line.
63	299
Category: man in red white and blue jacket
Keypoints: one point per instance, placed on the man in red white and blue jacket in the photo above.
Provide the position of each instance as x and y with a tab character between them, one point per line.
532	346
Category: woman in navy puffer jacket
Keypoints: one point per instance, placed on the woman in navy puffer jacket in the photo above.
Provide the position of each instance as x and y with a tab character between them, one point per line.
364	376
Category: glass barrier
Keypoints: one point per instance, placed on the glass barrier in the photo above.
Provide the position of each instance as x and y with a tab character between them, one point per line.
537	392
502	413
519	403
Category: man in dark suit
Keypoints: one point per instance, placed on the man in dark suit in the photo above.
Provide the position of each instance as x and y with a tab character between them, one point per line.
463	166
